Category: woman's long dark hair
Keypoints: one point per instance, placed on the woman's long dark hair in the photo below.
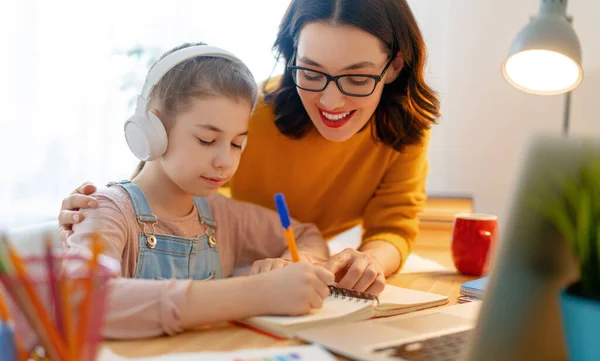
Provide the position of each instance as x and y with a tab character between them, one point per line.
408	106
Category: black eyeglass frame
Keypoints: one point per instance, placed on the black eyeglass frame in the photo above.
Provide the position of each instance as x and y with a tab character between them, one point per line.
335	79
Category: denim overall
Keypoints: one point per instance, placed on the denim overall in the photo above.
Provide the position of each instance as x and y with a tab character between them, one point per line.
162	256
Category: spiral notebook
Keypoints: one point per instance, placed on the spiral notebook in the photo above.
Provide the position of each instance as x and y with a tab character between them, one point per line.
348	306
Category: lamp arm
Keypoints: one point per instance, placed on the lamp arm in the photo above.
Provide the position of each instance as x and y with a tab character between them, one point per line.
566	113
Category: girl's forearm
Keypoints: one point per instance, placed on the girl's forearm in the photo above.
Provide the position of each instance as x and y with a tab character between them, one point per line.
222	300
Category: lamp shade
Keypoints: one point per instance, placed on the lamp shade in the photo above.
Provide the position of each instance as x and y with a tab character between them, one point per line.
545	57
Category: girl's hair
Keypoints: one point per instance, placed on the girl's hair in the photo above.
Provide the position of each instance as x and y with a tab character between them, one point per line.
198	77
408	106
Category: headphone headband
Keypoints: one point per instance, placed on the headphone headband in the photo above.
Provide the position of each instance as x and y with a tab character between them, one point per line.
144	131
170	61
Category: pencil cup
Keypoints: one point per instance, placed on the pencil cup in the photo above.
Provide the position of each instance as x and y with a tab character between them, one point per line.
74	299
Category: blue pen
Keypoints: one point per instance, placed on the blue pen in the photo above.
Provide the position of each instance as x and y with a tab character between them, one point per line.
284	216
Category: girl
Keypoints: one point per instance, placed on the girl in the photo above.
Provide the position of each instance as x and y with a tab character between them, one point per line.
190	127
352	113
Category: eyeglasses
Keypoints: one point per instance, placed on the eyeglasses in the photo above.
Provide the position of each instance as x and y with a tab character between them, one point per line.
354	85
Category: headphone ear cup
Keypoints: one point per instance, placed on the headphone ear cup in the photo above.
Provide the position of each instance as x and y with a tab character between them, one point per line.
158	139
146	136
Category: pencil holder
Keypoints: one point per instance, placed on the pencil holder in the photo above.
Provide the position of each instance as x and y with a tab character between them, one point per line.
67	318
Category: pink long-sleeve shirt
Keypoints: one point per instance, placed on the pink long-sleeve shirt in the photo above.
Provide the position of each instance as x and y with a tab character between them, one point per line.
144	308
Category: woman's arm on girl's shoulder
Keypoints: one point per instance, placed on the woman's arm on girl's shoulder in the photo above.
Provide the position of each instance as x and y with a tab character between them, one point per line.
108	220
256	233
391	215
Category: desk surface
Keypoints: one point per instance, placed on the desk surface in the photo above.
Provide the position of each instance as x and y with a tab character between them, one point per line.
227	337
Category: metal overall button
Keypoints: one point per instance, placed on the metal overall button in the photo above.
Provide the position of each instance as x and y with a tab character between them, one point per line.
212	242
151	241
209	232
150	238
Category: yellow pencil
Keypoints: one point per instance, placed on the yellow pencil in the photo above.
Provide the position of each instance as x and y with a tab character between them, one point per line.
4	313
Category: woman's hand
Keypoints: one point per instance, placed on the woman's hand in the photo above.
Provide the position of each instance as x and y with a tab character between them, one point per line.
357	270
69	210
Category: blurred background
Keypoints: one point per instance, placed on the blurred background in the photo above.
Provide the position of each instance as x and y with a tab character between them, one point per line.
69	72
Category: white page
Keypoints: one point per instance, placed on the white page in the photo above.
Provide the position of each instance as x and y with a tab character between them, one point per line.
332	308
403	296
293	353
417	264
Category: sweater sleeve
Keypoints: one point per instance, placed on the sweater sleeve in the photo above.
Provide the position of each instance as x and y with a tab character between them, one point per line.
391	215
136	308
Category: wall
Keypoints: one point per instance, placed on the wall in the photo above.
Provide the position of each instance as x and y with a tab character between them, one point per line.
477	147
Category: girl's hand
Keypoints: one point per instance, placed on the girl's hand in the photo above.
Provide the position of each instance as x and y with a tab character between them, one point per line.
357	270
69	210
268	264
295	289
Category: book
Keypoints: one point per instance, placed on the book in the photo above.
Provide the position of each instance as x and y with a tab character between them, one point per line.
474	288
344	305
436	221
444	208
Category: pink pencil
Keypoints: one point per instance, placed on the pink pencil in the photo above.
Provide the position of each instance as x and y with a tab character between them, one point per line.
96	320
53	284
85	308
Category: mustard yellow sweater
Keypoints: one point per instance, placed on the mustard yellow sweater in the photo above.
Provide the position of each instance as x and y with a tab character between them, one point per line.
335	185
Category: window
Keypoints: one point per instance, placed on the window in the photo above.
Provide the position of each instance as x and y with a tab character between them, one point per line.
69	73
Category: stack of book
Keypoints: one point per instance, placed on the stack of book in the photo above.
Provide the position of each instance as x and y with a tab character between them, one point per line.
437	218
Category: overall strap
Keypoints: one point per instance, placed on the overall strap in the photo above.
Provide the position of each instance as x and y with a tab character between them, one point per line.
142	209
206	218
204	212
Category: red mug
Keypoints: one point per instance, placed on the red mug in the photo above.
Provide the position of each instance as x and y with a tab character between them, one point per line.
473	236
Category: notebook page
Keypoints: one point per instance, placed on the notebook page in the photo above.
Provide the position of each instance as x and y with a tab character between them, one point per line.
332	308
397	296
298	353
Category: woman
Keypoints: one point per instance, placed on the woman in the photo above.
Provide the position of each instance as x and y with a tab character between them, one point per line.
343	133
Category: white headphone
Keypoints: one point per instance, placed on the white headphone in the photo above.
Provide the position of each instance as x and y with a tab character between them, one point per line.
144	132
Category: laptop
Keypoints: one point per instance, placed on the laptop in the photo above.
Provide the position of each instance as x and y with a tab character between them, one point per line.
518	318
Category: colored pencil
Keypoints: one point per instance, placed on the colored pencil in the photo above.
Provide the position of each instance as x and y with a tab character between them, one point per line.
4	313
84	313
67	321
53	286
27	295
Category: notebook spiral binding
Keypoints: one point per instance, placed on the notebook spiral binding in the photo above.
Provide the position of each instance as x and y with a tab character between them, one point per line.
351	294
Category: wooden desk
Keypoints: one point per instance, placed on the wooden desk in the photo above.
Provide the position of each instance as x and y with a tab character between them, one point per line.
227	337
